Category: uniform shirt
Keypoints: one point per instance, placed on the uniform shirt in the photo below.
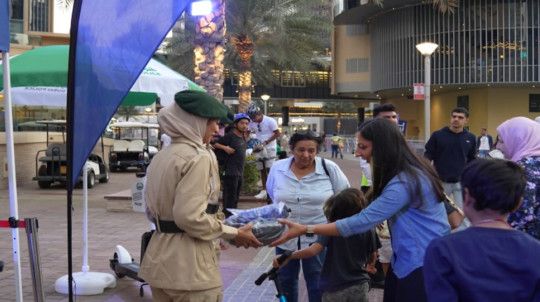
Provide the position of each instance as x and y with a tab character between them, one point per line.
412	229
483	264
450	152
305	197
264	130
181	180
234	163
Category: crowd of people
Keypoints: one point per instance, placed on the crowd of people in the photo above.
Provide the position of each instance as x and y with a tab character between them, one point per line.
456	224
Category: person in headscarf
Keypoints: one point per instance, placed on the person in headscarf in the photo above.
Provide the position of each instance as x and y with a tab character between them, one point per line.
519	140
180	262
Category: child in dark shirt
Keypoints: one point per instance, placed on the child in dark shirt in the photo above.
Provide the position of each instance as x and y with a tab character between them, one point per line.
348	261
489	261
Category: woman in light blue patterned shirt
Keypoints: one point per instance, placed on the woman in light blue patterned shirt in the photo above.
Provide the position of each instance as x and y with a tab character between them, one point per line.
304	182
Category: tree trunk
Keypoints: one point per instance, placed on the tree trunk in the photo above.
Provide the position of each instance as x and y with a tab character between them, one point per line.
244	48
210	50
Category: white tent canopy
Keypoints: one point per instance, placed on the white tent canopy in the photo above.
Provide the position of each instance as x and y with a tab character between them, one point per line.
156	77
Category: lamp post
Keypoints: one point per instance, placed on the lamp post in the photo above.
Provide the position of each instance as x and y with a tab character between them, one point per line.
427	49
265	97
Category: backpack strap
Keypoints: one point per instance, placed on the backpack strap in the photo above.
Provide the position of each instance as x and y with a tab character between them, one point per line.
325	168
328	174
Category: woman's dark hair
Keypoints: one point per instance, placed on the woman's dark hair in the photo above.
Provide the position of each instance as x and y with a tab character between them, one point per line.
344	204
391	155
495	184
305	136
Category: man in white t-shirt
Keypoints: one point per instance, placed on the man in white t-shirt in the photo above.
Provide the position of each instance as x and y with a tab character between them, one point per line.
266	130
484	143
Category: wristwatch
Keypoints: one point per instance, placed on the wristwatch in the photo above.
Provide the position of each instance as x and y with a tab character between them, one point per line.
310	231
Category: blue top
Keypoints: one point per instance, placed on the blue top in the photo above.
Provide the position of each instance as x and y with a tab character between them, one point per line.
306	196
412	229
483	264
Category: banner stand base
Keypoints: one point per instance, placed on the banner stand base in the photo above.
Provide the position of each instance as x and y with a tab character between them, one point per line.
86	283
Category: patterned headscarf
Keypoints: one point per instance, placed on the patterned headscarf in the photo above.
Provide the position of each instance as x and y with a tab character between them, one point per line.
520	137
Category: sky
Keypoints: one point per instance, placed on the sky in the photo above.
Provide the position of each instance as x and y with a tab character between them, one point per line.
62	19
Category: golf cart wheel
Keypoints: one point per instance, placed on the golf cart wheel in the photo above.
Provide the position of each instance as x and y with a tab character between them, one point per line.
91	179
43	184
104	179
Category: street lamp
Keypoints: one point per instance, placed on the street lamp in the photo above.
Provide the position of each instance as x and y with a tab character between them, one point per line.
427	49
265	97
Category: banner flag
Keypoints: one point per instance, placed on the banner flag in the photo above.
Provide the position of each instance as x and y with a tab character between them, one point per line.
4	25
112	41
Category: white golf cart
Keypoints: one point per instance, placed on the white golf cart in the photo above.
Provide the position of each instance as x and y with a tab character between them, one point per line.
135	144
51	163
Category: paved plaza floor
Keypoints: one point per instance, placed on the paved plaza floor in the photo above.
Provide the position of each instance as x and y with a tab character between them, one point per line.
240	267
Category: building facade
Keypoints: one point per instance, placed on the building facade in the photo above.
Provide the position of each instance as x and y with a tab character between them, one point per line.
487	60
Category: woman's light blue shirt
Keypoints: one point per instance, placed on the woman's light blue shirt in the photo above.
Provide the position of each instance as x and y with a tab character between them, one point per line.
306	196
412	229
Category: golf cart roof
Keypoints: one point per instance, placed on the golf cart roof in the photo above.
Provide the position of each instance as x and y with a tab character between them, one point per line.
134	125
52	122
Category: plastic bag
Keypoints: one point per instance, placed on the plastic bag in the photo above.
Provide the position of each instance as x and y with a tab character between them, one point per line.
266	228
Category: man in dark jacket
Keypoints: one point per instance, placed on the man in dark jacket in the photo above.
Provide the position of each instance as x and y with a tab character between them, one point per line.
450	149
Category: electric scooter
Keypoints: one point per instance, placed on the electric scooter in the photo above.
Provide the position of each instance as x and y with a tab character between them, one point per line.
272	275
124	265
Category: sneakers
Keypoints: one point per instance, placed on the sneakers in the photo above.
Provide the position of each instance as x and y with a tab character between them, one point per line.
261	195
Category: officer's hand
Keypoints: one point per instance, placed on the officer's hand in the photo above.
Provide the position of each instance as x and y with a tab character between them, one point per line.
246	238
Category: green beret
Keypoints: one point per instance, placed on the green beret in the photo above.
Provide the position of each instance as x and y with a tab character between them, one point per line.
202	104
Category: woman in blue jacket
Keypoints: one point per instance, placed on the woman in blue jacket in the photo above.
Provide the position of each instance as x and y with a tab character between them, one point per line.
407	192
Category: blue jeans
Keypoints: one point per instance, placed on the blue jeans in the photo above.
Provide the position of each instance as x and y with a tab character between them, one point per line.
288	276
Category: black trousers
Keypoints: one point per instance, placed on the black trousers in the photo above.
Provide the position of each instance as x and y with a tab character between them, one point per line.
231	191
408	289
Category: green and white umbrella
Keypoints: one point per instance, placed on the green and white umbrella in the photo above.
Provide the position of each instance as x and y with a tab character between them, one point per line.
39	78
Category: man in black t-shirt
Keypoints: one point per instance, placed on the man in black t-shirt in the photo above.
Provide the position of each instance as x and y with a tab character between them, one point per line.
233	144
450	149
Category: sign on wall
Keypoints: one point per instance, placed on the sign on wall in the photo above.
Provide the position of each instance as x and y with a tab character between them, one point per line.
418	91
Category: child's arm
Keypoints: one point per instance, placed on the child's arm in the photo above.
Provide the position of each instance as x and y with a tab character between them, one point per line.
308	252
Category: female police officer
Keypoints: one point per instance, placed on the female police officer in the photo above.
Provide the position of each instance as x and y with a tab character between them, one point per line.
180	263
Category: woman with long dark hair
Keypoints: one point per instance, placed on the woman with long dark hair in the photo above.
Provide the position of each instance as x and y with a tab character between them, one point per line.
407	192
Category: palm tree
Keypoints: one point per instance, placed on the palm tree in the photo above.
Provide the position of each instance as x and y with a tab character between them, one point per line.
269	35
209	49
442	6
261	36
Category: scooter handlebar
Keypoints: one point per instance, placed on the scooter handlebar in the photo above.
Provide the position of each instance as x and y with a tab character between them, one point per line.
273	270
